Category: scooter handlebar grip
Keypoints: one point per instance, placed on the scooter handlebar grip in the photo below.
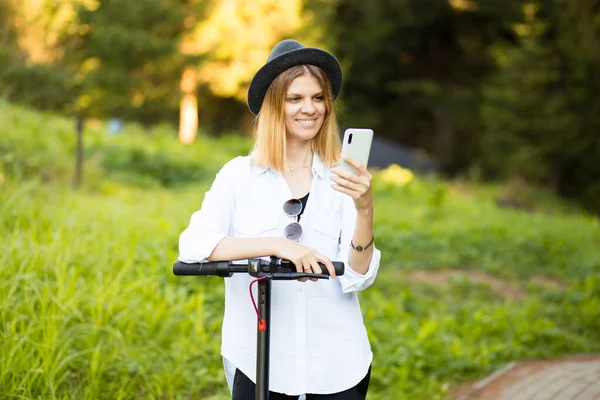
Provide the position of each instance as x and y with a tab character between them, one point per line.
220	268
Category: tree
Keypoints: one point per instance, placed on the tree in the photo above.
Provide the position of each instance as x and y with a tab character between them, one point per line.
525	111
541	110
30	52
224	67
578	40
412	69
126	59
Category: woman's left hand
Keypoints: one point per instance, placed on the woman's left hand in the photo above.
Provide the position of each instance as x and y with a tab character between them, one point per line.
357	187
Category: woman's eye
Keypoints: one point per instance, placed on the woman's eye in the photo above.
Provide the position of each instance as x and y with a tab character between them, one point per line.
294	99
319	98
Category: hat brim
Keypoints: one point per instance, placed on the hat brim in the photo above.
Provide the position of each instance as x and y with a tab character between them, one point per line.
307	55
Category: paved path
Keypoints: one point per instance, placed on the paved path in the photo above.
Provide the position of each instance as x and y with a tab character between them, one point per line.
539	380
571	380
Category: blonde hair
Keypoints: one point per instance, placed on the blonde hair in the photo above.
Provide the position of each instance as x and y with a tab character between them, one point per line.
269	149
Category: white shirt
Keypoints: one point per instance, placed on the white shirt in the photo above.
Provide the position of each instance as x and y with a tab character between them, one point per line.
319	343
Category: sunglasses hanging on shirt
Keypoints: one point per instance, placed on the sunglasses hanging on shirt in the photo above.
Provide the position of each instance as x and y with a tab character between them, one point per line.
293	208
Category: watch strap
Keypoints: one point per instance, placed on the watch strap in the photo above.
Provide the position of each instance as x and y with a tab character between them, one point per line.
361	248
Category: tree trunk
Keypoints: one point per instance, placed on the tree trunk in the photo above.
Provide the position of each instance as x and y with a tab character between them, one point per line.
188	106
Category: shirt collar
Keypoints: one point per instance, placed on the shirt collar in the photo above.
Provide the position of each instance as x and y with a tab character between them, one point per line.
318	167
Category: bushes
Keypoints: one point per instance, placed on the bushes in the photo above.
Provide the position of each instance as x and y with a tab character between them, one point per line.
42	146
434	226
35	145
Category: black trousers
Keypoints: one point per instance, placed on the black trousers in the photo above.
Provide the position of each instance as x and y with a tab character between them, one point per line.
244	389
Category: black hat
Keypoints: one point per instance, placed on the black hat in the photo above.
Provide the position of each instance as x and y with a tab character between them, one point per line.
286	54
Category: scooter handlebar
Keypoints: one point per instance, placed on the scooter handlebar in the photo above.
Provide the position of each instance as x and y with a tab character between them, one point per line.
227	268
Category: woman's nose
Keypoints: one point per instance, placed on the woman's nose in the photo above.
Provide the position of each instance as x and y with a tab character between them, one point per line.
308	107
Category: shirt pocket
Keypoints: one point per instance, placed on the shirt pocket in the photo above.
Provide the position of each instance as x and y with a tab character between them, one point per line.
327	235
254	223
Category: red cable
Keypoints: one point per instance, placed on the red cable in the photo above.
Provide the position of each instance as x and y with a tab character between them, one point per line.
262	324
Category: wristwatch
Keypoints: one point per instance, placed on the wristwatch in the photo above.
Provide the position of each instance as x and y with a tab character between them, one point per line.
359	248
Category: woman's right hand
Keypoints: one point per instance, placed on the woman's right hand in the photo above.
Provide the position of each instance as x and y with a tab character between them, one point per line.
304	258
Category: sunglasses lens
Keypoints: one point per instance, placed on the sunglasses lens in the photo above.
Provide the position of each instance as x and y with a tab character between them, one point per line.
292	207
293	231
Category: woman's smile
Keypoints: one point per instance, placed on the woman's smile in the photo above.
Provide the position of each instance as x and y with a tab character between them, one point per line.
307	122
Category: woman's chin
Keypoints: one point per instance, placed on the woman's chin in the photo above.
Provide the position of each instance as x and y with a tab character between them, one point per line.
303	135
305	132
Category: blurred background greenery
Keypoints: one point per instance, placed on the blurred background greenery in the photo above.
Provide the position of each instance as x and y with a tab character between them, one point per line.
495	257
488	89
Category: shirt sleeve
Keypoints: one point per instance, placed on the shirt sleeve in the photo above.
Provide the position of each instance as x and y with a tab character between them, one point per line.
209	225
352	281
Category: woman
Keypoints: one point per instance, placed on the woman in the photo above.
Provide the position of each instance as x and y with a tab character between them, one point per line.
319	344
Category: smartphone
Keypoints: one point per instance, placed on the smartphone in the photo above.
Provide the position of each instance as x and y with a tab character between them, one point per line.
357	144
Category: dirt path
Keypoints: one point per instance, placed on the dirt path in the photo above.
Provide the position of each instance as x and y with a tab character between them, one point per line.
500	287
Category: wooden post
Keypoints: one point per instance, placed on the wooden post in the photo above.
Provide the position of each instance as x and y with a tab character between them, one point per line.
79	152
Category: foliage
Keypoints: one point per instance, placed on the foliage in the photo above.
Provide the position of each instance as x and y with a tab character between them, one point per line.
29	50
438	224
127	61
91	310
45	87
578	46
535	120
489	89
521	100
229	65
7	31
37	146
413	67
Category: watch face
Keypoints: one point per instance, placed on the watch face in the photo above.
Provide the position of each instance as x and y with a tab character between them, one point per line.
359	248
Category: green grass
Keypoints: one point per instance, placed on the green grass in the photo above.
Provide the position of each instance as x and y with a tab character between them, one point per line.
428	225
89	308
